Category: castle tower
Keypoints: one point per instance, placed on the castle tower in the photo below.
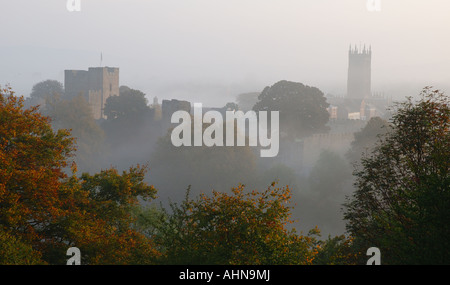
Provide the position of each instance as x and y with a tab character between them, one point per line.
96	85
359	72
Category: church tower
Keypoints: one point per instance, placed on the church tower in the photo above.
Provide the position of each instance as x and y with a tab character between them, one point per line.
359	72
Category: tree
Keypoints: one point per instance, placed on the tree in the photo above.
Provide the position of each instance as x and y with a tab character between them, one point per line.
366	139
75	114
131	104
32	158
402	200
336	251
129	122
13	251
240	228
47	88
103	227
44	210
303	109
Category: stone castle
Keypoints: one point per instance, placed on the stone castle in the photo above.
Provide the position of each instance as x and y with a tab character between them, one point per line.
96	85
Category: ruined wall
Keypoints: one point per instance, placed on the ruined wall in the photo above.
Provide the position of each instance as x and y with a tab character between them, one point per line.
168	107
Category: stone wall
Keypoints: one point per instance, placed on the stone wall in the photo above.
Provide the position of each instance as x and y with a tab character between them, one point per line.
96	84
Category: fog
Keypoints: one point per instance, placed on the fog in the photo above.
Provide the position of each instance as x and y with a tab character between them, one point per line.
210	52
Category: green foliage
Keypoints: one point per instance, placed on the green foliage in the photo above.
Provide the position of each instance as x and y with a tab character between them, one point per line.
237	228
13	251
108	234
402	200
338	250
302	108
43	211
131	104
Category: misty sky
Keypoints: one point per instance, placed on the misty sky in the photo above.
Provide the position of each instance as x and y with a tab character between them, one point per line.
209	51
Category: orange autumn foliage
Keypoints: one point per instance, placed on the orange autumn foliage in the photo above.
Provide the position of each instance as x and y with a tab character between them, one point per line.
49	210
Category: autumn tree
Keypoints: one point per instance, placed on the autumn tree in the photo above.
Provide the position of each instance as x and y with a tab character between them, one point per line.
102	225
237	228
338	250
32	157
14	251
402	200
44	210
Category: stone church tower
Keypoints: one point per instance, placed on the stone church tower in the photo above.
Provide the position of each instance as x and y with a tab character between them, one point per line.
96	85
359	73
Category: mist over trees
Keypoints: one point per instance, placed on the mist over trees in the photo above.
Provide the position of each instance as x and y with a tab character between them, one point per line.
75	115
366	139
202	168
120	191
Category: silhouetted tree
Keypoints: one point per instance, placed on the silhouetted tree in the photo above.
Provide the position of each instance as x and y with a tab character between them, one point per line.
302	108
366	139
47	88
131	104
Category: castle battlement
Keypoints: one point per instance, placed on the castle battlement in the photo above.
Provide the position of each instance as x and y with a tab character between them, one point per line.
96	84
359	72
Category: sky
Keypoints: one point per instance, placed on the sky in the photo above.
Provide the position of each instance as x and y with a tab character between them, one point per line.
209	51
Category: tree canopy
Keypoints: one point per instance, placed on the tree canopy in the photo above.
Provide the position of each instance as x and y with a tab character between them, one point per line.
303	109
47	88
401	204
43	210
238	228
130	104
